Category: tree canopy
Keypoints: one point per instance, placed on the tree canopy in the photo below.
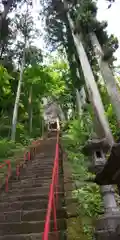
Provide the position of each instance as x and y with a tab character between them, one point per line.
73	70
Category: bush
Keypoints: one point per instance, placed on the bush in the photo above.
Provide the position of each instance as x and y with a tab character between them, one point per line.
7	148
88	195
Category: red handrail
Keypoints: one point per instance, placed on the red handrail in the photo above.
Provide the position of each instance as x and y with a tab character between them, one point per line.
8	164
27	156
53	195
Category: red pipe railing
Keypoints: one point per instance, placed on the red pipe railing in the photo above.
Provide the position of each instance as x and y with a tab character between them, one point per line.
53	196
27	156
8	164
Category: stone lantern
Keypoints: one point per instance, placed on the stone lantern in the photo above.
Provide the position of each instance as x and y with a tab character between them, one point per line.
108	225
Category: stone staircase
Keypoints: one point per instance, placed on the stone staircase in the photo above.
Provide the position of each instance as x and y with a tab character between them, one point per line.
23	208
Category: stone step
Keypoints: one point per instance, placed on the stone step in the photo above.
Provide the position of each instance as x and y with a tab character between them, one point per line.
43	181
31	189
28	196
50	151
43	161
21	191
34	236
23	177
27	216
45	155
36	167
31	180
23	208
29	227
40	163
39	168
39	172
33	185
42	175
27	205
27	185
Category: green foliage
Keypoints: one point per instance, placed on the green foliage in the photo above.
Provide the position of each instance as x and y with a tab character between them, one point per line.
46	80
88	195
109	110
80	129
8	148
84	16
5	89
86	13
89	199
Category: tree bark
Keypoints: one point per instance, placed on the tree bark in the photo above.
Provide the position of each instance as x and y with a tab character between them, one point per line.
109	199
30	110
91	85
61	113
16	106
108	77
7	7
79	104
5	12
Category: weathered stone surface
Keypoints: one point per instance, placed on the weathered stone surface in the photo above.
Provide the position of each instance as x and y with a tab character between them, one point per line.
110	174
96	144
23	208
34	236
108	226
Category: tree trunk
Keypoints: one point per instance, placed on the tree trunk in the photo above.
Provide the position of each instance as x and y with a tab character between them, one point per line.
30	110
91	85
108	77
79	104
118	83
7	6
61	113
5	12
16	106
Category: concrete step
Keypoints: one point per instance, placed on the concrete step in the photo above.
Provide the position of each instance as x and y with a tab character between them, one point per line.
26	205
34	236
29	227
27	216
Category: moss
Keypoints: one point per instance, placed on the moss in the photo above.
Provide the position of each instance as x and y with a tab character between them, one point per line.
75	229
